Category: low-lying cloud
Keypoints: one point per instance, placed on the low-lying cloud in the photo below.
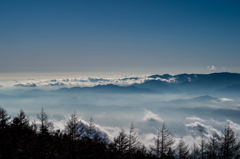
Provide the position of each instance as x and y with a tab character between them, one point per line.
193	118
26	85
226	100
150	116
83	82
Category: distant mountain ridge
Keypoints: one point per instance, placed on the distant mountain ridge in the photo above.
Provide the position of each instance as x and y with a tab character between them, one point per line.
203	83
224	76
110	88
159	86
195	84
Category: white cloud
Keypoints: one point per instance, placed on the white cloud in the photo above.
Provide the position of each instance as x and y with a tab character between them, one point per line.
226	100
235	127
150	116
84	81
211	68
198	129
194	119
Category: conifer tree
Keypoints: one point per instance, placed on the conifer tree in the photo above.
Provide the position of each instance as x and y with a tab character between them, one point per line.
156	148
44	136
21	134
93	139
170	153
229	147
121	144
195	154
74	130
163	142
91	131
182	149
133	142
203	146
4	125
213	147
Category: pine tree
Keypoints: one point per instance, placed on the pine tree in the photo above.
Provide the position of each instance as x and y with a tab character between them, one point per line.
133	143
203	146
156	148
91	130
21	134
163	142
182	149
170	153
4	125
195	154
229	147
121	145
74	130
44	136
213	148
94	141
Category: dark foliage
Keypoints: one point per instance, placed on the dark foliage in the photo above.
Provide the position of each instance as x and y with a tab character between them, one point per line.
20	139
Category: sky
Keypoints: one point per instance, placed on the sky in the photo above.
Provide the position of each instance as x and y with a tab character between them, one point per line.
57	36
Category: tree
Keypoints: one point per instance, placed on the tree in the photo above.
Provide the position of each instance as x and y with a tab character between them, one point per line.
182	150
21	134
133	143
163	142
4	125
94	141
121	145
213	147
203	146
229	147
195	154
170	154
44	135
91	131
74	131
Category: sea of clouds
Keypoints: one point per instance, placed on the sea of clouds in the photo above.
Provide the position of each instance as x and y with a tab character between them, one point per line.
80	81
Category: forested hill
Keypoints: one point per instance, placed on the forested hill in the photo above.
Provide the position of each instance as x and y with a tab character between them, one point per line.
20	139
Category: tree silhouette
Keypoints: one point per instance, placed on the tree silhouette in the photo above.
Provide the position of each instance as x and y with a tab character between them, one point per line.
133	143
4	125
213	147
229	147
74	130
203	147
195	154
44	136
121	145
163	142
182	149
21	134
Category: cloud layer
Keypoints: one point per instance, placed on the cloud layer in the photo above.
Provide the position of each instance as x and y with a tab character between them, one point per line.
82	81
150	116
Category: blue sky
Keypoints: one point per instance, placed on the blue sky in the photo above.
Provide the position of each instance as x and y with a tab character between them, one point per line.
119	36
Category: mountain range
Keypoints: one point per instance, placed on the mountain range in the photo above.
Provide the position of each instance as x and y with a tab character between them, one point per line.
202	84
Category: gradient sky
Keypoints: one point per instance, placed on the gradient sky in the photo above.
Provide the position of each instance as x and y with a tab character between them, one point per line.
119	36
